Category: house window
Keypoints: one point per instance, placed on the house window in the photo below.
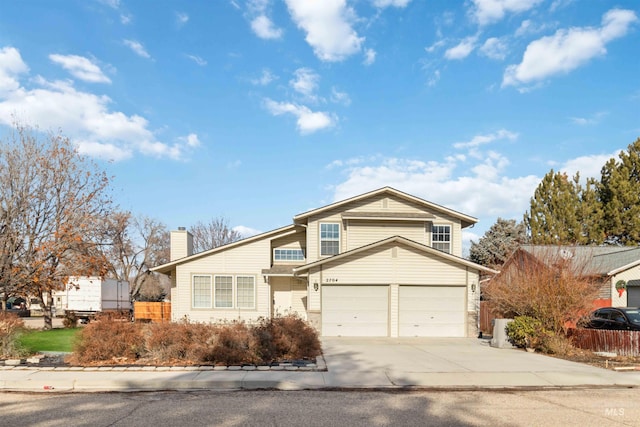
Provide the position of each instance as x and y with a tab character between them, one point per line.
223	297
329	239
288	255
245	292
201	292
441	238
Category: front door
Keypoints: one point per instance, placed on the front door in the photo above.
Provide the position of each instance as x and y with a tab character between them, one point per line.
281	296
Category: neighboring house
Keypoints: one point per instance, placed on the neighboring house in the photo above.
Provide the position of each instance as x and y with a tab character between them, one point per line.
617	268
384	263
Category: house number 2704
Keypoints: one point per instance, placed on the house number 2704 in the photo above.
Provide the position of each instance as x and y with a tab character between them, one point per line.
330	280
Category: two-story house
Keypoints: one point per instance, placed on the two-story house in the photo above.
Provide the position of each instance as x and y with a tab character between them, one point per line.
384	263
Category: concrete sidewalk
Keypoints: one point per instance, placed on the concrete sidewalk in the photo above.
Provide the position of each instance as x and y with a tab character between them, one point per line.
352	363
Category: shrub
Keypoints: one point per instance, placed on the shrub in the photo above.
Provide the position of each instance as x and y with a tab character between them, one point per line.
286	338
108	338
178	341
557	344
234	343
526	331
11	326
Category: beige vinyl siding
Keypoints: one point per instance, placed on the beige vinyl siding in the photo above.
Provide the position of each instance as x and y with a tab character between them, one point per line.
421	233
408	266
630	274
245	260
293	241
360	233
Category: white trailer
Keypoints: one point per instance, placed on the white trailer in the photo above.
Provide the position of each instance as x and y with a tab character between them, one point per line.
87	296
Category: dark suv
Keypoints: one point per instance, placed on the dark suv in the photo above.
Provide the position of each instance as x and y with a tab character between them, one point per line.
619	318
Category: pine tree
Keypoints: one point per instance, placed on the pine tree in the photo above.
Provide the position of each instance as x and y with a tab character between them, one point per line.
619	193
554	216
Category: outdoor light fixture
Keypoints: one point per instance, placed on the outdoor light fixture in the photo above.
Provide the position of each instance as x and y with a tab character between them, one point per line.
473	287
315	286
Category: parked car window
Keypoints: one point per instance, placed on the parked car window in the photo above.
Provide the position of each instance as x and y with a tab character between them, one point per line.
616	316
634	316
601	314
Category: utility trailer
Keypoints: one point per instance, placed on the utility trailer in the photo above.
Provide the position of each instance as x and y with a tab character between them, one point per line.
87	296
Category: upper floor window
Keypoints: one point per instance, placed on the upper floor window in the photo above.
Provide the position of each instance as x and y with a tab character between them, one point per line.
329	239
288	255
441	238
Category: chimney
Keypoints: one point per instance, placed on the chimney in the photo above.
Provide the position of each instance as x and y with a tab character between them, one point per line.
181	243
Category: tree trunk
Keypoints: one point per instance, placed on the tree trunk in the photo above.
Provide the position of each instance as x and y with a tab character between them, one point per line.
47	306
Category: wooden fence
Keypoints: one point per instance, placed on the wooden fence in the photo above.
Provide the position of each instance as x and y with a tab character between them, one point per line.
486	316
152	311
623	343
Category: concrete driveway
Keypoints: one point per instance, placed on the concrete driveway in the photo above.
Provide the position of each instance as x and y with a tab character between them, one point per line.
451	362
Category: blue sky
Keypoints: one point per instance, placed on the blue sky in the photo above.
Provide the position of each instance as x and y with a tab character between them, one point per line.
257	110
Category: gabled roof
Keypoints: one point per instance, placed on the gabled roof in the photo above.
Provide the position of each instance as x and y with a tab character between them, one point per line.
600	260
400	240
465	220
278	232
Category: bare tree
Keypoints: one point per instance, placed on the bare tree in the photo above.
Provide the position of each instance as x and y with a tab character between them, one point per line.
551	285
216	232
55	222
139	243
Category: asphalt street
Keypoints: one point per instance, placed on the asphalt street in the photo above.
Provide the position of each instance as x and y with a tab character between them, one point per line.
576	407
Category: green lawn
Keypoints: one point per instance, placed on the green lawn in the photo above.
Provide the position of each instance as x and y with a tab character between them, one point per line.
53	340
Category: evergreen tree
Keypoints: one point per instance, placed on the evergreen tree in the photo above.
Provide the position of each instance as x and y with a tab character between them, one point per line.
554	216
498	243
619	193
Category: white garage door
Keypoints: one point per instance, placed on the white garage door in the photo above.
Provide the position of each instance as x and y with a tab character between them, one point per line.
432	311
355	311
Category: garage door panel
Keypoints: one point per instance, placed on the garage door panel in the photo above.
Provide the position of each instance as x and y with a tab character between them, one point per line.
435	311
355	310
633	296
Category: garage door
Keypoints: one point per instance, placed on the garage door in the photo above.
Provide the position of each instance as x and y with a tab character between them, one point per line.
633	296
432	311
355	311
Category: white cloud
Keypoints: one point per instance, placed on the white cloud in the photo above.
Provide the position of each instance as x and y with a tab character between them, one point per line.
584	121
340	97
305	82
482	189
436	45
462	49
265	78
198	60
490	11
307	121
568	49
264	28
190	140
81	68
328	27
137	48
434	79
261	23
246	231
126	18
181	18
529	27
494	48
386	3
588	166
369	57
85	117
11	66
479	140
